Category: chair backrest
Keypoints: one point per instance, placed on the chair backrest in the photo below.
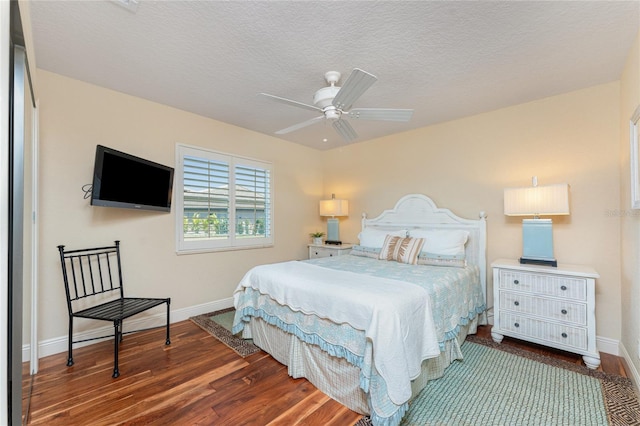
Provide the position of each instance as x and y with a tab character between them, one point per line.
91	272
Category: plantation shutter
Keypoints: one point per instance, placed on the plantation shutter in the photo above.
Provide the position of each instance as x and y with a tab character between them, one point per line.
206	199
252	201
225	201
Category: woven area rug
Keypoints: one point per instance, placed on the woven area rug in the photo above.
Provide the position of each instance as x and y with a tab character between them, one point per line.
218	324
501	385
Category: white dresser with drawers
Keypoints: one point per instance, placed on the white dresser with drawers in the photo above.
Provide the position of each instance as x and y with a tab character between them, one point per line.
551	306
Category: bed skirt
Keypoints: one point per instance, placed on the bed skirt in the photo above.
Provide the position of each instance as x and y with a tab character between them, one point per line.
334	376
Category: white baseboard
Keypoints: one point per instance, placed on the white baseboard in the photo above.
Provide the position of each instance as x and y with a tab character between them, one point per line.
634	376
60	344
608	346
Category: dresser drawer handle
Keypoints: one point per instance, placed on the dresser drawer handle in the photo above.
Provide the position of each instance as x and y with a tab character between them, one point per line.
564	311
516	303
516	282
516	325
563	288
330	254
316	253
564	335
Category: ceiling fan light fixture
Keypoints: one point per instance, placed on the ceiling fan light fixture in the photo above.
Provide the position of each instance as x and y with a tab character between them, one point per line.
332	114
324	96
333	101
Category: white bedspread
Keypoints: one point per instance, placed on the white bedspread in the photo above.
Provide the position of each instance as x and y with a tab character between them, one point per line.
395	315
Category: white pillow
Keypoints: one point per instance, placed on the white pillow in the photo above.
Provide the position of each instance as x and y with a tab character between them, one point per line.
442	242
375	238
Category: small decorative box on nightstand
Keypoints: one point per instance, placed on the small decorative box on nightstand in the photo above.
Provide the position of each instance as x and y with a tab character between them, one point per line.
550	306
328	250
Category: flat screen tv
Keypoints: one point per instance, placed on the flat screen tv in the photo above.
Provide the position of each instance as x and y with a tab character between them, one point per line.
130	182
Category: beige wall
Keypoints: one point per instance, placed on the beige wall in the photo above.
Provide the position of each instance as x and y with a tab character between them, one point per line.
630	229
465	164
74	118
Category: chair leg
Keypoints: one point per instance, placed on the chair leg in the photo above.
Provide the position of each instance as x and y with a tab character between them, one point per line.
168	341
70	354
116	341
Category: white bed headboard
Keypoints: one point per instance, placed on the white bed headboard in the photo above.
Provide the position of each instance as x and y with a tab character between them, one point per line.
417	211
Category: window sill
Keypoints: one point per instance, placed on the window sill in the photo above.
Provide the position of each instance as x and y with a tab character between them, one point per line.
221	249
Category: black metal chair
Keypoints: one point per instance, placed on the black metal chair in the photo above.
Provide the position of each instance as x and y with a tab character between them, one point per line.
93	284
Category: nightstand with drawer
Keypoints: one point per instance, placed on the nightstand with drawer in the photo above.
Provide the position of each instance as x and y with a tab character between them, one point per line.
328	250
551	306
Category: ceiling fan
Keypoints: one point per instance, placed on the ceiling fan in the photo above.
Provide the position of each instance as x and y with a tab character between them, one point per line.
334	103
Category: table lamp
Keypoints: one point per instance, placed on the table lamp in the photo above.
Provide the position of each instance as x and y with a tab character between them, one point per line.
333	208
537	234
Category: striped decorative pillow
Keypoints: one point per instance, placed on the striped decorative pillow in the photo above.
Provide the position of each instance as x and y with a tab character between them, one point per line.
403	250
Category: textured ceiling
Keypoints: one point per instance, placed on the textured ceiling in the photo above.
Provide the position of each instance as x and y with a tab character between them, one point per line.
445	60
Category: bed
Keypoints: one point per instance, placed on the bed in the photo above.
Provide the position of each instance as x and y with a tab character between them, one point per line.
371	328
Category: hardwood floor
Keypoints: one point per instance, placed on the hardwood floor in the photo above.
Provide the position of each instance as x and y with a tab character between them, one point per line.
195	381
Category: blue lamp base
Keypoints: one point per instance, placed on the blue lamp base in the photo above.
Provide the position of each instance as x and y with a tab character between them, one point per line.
333	232
537	242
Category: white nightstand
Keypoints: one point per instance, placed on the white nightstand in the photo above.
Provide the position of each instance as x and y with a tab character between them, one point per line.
546	305
328	250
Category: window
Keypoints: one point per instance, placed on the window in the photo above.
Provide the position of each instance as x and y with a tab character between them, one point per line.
223	202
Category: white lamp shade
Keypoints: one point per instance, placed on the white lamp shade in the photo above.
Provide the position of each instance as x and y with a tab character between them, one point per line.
547	200
334	207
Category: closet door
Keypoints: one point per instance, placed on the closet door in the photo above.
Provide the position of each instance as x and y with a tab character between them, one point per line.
22	150
18	243
5	72
16	233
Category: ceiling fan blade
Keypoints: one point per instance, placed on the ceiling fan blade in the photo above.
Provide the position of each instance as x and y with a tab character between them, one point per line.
291	102
385	114
345	130
300	125
357	83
